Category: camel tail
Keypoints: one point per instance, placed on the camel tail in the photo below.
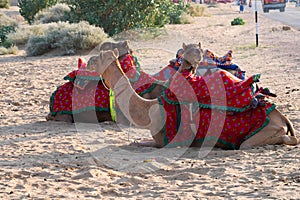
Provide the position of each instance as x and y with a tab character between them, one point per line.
291	134
290	127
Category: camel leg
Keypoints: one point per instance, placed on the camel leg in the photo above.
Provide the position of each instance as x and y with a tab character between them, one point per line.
146	143
274	133
157	126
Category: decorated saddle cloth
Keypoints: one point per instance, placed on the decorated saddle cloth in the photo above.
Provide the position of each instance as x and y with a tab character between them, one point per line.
83	92
211	60
211	125
220	90
219	106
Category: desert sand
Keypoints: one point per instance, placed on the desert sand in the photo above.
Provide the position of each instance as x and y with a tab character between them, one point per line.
42	159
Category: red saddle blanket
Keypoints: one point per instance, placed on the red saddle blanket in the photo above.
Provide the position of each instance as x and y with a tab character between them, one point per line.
83	92
211	124
220	90
219	106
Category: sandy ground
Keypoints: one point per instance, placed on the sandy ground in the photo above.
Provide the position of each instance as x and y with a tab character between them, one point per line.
55	160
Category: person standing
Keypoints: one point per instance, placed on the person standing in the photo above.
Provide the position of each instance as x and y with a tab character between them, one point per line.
241	6
250	3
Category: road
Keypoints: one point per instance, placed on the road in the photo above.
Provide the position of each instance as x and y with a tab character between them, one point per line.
290	17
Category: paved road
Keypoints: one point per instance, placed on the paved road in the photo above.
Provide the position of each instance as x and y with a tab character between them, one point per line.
291	16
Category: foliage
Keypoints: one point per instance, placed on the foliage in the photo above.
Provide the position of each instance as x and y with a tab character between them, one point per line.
130	14
237	21
4	31
56	13
176	11
66	37
22	34
29	8
4	3
7	26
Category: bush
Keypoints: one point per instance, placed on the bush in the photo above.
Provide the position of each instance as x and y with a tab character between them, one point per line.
56	13
7	26
237	21
22	34
4	3
28	9
69	38
177	12
130	14
4	31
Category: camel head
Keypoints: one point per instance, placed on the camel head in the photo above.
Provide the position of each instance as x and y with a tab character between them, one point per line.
123	47
193	54
92	63
104	59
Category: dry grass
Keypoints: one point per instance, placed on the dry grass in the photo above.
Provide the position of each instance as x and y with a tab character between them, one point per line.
197	10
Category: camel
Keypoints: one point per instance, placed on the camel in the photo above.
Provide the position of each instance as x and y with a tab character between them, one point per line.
192	57
146	113
148	86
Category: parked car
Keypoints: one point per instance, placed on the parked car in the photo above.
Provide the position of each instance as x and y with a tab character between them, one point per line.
273	4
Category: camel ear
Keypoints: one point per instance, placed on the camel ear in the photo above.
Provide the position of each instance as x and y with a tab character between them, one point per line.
200	45
116	52
183	45
101	55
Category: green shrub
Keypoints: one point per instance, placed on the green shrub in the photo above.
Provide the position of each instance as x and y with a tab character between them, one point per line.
176	11
56	13
38	45
29	8
4	31
7	26
237	21
130	14
4	3
68	38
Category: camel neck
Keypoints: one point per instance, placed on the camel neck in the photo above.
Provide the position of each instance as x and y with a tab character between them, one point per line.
134	107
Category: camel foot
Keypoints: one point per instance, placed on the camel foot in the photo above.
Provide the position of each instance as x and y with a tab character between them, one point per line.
60	117
145	143
290	140
49	117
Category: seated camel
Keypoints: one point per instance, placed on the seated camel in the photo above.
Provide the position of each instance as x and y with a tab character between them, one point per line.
252	127
144	84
